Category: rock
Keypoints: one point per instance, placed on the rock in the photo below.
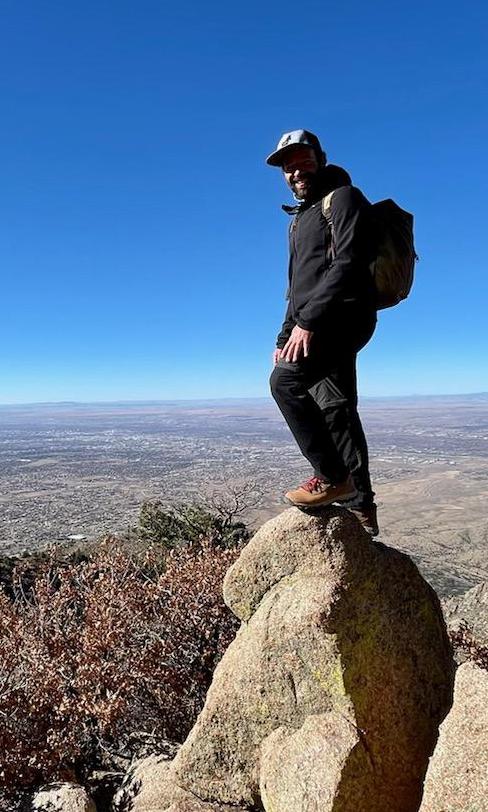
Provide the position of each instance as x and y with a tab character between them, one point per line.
62	797
334	686
470	609
145	779
148	787
457	778
289	778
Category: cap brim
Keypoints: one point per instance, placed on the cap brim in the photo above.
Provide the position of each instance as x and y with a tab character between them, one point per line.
276	158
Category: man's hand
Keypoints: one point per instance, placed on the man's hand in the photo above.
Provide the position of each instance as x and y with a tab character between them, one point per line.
297	345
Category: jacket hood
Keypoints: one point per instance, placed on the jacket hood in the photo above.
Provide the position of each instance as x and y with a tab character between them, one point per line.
333	177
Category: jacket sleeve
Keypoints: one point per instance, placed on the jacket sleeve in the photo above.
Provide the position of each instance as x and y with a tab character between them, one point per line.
348	214
286	328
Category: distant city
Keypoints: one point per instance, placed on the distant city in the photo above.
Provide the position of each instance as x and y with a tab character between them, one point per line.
71	471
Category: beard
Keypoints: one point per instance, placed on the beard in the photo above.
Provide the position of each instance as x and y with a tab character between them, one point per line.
305	186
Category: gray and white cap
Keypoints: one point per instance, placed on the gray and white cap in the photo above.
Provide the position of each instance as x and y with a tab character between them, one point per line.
289	141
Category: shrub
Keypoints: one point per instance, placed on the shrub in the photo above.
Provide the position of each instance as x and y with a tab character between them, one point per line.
188	524
464	641
27	564
100	648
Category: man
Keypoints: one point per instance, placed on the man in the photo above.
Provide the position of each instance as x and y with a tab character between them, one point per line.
331	315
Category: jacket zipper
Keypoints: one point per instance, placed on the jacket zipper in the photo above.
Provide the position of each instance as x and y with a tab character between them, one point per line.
294	254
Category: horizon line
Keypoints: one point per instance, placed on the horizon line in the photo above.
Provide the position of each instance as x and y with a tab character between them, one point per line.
151	401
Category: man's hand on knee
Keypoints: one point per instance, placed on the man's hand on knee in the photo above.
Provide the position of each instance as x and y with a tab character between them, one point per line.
297	345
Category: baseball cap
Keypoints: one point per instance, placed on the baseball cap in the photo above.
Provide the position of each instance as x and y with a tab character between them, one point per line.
289	141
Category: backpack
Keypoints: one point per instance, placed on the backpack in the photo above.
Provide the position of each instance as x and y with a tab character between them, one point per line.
394	257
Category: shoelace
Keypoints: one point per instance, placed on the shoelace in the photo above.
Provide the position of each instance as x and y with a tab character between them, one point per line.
315	483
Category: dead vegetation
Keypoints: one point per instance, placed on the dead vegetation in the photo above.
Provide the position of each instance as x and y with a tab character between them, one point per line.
108	643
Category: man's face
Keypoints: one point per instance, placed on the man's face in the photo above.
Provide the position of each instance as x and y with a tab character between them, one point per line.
300	168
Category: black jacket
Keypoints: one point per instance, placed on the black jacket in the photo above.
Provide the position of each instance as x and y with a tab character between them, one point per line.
328	282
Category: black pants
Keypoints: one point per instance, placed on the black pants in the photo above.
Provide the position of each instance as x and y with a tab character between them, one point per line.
318	399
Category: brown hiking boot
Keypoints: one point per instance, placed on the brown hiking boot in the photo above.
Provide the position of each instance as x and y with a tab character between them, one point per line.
317	492
368	518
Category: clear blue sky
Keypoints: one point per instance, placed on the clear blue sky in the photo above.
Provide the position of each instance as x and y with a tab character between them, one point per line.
142	242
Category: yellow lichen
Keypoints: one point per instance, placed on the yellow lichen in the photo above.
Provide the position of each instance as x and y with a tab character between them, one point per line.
331	681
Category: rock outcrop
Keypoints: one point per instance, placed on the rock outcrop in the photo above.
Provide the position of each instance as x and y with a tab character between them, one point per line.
457	778
331	694
470	609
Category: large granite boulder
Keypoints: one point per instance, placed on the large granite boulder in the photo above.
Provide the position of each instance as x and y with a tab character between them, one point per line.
457	778
331	694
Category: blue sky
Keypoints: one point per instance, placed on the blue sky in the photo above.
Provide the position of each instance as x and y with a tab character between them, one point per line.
141	237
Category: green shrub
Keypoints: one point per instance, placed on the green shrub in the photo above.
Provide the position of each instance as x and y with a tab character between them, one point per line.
188	524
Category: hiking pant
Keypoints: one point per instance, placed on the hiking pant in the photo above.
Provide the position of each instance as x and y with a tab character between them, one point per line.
318	398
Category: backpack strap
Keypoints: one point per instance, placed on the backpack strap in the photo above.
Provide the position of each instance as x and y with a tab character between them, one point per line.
326	204
326	211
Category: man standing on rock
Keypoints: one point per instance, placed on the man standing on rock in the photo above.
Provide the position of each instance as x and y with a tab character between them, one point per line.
331	315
